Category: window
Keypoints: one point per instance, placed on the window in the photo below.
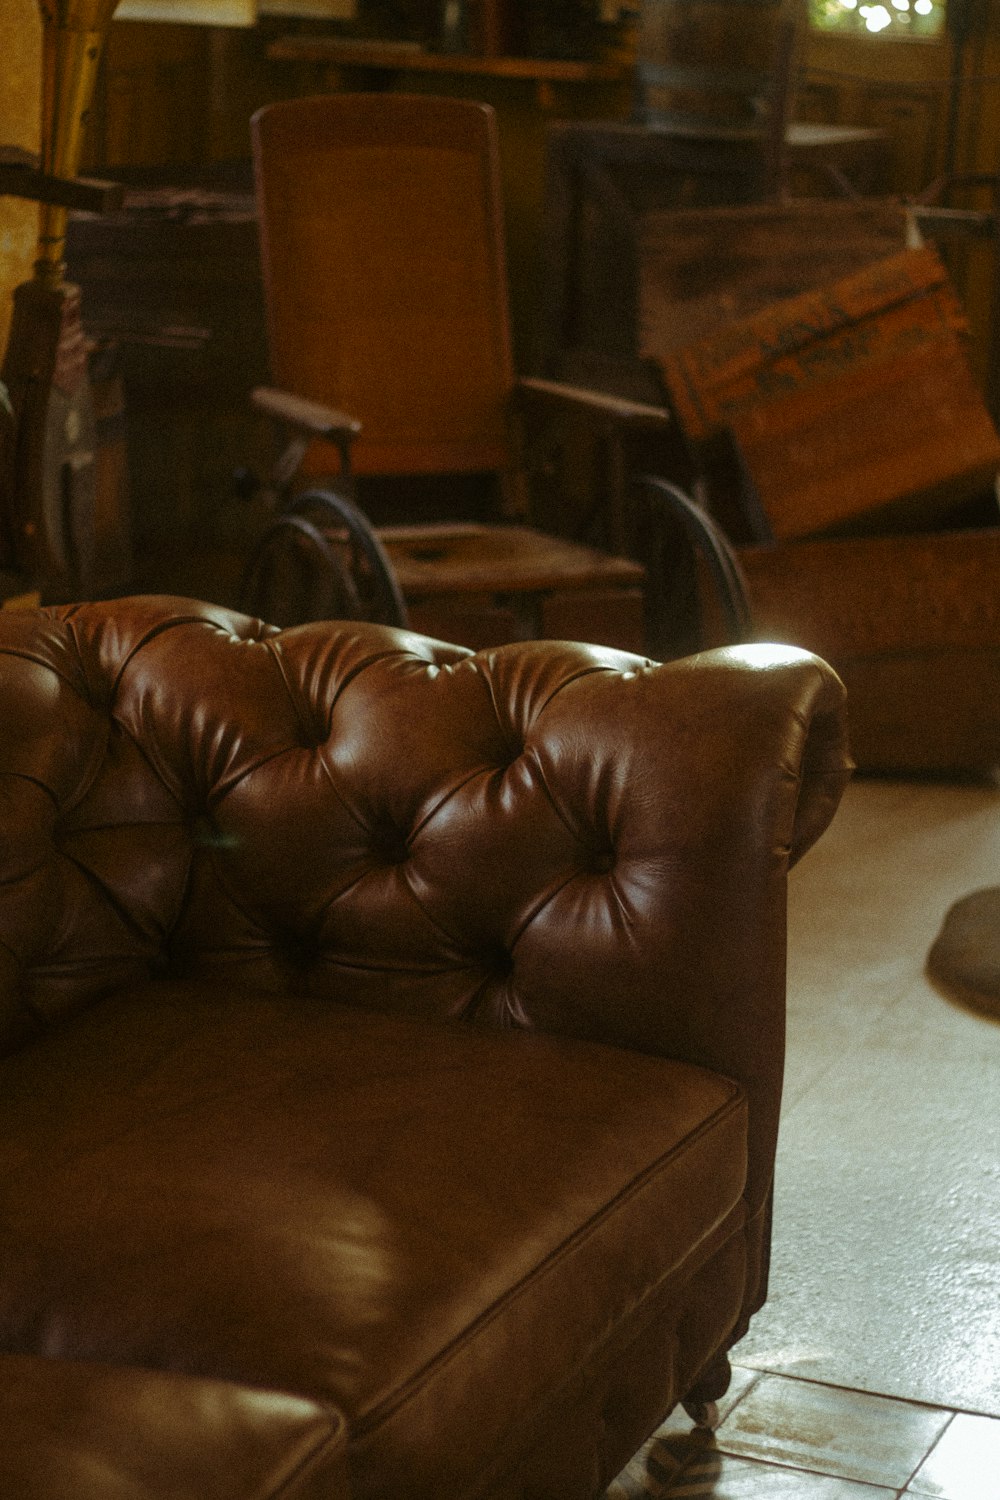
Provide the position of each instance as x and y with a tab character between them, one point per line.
892	18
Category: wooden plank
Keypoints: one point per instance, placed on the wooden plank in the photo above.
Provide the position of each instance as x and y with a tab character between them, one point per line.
925	711
30	600
403	58
897	446
775	351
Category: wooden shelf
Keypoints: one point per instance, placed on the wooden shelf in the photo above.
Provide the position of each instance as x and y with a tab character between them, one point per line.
398	57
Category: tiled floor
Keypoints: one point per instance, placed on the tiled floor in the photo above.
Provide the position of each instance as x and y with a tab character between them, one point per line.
874	1369
782	1438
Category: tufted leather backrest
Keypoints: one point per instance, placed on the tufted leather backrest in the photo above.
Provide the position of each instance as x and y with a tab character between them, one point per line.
545	835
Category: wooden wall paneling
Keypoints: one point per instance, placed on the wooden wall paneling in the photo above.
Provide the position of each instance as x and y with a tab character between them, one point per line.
20	125
153	98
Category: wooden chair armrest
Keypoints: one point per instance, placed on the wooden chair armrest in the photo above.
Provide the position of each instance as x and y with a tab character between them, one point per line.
638	416
301	422
308	416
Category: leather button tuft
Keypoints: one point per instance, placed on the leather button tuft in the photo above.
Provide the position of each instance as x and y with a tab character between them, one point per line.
601	861
294	950
389	845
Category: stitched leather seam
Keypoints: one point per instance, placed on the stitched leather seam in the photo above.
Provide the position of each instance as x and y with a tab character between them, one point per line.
123	914
560	687
274	647
68	619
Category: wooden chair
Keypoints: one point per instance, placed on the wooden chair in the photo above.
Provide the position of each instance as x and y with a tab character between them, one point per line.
388	329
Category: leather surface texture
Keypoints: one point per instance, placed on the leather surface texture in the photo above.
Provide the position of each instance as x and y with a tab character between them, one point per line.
73	1431
393	1028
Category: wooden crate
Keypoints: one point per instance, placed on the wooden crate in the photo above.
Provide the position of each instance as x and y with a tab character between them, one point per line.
851	406
912	624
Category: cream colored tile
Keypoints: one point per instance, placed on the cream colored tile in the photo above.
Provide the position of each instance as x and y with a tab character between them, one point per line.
866	904
887	1217
894	857
965	1464
888	1186
743	1379
675	1468
848	1434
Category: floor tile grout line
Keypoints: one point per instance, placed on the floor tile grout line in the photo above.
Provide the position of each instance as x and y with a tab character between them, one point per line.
854	1390
738	1400
683	1474
800	1467
936	1443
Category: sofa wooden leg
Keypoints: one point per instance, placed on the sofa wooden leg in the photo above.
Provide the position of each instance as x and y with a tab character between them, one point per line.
704	1414
701	1400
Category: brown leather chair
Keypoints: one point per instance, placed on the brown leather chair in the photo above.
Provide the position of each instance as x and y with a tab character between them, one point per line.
391	1028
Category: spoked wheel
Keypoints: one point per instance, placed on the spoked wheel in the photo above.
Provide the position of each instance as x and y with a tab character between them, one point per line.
320	559
674	532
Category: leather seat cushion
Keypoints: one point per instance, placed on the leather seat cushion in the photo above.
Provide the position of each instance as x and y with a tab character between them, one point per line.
422	1224
75	1431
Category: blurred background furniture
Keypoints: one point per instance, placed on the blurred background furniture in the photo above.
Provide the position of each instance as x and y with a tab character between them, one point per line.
860	490
728	70
700	73
385	287
393	1029
63	516
171	281
712	125
639	262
